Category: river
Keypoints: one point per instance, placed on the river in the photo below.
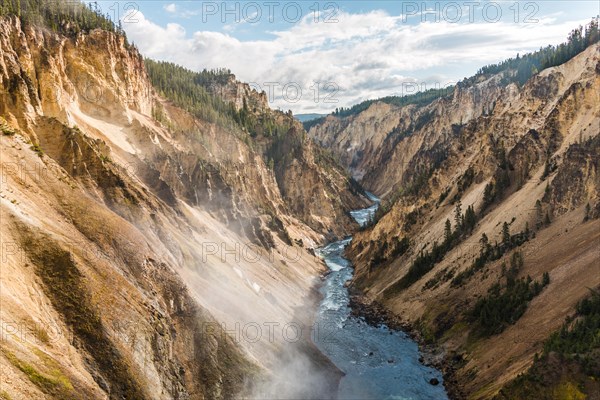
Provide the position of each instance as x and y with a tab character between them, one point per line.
379	363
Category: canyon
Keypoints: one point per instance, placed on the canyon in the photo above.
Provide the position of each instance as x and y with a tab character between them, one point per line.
158	246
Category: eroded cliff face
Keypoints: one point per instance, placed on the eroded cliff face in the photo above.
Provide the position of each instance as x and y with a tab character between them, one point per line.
311	183
135	254
535	148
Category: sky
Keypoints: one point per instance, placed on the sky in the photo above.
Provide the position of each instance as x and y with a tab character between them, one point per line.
315	56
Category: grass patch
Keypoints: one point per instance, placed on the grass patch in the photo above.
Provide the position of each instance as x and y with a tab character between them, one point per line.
38	150
568	390
4	395
54	368
55	384
6	129
422	326
456	330
64	284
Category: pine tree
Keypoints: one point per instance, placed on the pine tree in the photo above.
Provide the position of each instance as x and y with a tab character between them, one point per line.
529	64
485	242
588	210
545	279
506	241
488	195
458	217
447	233
470	219
66	16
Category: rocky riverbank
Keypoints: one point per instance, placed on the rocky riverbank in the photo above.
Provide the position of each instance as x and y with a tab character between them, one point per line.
376	314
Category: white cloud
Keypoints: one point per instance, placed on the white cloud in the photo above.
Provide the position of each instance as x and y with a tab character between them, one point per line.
366	55
172	8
